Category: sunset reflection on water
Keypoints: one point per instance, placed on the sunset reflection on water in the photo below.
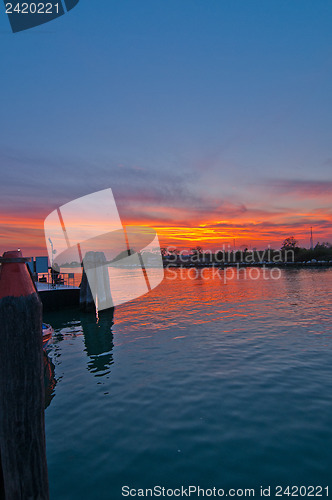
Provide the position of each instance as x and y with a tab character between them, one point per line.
201	381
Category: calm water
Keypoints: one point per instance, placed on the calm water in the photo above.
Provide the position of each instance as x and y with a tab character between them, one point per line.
199	382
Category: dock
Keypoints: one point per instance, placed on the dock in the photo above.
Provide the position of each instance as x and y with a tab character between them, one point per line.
59	296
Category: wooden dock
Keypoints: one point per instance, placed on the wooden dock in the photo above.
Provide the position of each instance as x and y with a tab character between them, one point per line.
57	298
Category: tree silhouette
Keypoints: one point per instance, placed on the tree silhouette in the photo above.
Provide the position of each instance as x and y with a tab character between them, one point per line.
289	243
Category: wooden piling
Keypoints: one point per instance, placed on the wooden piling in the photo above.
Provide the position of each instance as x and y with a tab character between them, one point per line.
95	270
22	427
87	303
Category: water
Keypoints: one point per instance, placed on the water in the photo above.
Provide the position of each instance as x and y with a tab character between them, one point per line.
200	382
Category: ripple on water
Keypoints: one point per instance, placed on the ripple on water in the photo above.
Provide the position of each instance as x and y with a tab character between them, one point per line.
196	382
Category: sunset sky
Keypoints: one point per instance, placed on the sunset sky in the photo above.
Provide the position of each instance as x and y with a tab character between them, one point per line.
209	119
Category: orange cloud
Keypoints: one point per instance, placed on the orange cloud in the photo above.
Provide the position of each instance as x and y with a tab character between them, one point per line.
185	228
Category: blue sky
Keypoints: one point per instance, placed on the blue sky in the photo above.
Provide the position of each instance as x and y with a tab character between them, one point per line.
208	108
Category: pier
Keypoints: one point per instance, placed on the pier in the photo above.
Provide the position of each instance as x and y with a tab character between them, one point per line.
56	289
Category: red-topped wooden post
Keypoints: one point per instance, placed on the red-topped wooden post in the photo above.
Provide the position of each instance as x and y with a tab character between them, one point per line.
22	426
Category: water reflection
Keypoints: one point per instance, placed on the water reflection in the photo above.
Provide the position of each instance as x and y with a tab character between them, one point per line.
97	335
98	340
235	373
49	380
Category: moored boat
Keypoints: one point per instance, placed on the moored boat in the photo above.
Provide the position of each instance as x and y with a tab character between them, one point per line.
47	334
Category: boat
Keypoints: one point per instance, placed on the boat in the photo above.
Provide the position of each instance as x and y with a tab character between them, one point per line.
47	334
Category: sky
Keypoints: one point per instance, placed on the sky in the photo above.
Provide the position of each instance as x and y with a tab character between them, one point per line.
209	119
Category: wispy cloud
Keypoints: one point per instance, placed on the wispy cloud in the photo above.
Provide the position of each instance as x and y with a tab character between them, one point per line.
301	188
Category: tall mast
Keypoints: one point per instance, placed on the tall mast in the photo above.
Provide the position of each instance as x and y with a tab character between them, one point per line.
311	240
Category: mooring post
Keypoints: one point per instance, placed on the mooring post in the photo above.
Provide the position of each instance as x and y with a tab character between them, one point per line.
87	303
22	425
95	271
